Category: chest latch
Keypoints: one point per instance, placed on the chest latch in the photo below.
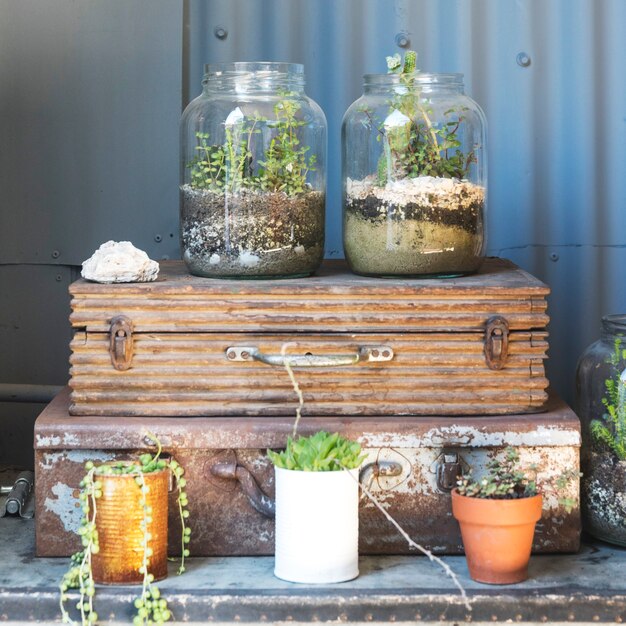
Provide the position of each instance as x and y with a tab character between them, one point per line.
496	342
121	342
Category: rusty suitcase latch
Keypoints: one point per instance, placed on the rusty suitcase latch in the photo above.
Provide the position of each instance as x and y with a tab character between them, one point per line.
121	342
449	469
496	342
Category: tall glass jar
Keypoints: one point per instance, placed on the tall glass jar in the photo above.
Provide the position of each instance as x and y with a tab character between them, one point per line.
253	179
414	177
601	404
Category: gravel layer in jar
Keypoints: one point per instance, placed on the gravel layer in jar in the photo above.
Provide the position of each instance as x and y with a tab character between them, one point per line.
414	226
252	234
603	487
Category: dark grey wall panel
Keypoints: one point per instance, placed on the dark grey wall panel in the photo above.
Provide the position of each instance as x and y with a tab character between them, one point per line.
34	327
89	109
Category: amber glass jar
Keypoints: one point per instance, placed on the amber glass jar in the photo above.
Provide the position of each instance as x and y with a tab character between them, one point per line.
414	177
601	404
253	179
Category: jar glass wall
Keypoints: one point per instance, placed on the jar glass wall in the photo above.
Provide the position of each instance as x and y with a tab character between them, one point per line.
601	406
253	179
414	177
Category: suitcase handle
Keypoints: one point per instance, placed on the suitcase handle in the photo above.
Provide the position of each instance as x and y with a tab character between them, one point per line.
363	354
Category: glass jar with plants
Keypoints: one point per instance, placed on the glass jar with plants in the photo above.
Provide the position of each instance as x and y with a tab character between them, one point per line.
601	405
124	531
414	175
253	174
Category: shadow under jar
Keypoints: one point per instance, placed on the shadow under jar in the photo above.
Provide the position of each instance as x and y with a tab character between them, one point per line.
253	174
414	177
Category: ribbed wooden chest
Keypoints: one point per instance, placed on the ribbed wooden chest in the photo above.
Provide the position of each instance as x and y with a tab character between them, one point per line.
190	346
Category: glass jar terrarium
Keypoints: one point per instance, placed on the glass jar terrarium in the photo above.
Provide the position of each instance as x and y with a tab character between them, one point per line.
253	174
601	403
414	177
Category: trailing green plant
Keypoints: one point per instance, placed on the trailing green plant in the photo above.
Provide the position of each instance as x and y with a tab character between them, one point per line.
508	480
414	145
613	436
321	452
230	167
151	607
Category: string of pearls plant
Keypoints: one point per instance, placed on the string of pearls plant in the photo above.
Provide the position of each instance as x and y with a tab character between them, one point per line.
151	607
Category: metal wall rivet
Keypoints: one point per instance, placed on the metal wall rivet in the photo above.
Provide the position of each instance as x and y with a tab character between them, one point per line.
55	254
220	32
58	278
554	256
402	40
523	59
158	238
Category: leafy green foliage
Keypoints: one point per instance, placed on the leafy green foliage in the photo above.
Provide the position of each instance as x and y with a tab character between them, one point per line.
420	148
507	480
321	452
151	607
231	167
611	431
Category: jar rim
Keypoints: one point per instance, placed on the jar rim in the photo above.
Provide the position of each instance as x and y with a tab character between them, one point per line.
241	68
614	322
421	78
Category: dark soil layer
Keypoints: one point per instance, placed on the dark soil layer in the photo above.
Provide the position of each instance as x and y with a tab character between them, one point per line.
603	497
370	208
252	234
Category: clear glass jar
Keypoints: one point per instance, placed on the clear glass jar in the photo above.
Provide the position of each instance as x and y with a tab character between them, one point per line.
253	182
601	406
414	177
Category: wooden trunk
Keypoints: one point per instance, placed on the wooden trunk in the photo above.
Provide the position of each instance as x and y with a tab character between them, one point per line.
191	346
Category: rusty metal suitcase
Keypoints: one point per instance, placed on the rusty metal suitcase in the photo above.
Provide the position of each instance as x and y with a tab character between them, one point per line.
185	345
411	465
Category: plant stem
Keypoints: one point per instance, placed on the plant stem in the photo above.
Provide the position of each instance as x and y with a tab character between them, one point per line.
422	549
294	382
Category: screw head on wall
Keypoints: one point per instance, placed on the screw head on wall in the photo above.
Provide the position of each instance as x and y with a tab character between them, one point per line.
523	59
220	32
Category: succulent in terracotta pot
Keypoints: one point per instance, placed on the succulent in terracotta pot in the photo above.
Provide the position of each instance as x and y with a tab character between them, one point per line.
497	515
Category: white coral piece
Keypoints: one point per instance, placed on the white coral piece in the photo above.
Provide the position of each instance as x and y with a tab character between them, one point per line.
119	262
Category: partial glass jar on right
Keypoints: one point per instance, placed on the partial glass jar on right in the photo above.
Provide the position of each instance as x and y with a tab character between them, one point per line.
601	407
414	177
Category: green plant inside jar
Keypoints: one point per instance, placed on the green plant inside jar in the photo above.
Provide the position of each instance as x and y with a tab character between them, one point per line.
420	212
609	433
248	208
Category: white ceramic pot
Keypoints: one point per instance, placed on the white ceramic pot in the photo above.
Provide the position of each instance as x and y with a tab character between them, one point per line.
317	526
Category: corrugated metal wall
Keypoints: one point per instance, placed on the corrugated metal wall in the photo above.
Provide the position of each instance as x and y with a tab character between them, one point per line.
91	95
551	78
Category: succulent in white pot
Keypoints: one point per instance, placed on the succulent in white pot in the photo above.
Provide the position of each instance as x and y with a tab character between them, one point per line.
317	518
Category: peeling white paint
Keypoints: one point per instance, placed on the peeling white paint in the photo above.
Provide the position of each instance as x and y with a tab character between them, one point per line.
63	507
470	436
51	459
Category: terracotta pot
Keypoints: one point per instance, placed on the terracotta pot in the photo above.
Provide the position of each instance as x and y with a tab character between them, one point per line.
497	536
118	519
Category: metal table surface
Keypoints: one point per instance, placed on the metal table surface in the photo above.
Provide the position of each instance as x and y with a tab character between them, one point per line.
585	587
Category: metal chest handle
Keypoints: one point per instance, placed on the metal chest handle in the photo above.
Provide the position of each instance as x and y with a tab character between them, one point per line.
229	469
364	353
